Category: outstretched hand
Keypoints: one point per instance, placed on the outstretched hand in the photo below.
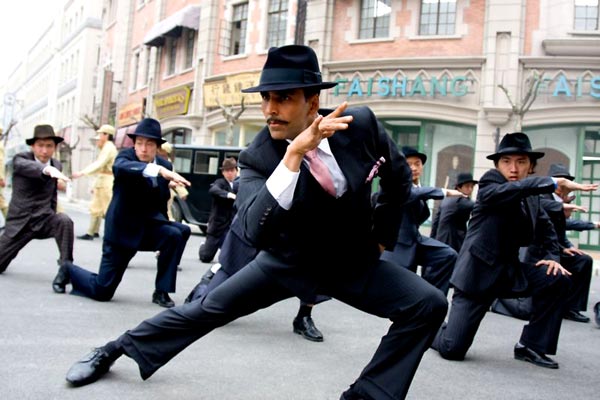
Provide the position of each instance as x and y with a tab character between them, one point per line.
53	172
455	193
174	177
322	127
565	186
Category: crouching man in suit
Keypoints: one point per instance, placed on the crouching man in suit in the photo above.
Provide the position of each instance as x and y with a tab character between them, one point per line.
32	210
137	220
305	188
508	215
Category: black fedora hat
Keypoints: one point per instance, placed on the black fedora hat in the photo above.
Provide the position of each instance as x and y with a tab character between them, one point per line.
515	143
44	132
290	67
412	152
560	171
464	177
148	128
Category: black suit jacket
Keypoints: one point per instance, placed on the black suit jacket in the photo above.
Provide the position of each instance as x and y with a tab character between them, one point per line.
222	209
137	200
450	221
34	195
498	228
320	237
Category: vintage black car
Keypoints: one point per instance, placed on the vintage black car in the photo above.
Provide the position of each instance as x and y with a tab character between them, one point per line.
201	166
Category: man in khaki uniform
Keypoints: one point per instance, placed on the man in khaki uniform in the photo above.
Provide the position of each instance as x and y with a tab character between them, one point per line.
3	203
102	168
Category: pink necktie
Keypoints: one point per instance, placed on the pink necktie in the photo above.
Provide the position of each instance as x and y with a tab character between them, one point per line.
320	171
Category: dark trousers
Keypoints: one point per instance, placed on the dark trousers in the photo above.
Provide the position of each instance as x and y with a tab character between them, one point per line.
59	226
415	308
209	248
170	239
541	333
436	259
580	266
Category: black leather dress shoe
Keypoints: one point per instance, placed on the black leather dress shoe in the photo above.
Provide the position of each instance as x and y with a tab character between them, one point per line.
90	368
524	353
576	316
96	235
162	299
62	279
306	327
86	237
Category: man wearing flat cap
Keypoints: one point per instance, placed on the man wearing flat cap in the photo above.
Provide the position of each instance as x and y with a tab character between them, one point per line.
508	215
450	221
102	169
137	220
32	210
305	188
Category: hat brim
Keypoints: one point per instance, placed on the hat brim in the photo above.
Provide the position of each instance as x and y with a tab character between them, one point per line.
57	140
515	150
463	182
158	141
275	87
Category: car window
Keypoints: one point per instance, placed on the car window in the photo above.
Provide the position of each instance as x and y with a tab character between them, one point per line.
183	161
206	163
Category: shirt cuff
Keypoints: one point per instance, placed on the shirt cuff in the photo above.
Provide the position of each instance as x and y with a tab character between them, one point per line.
555	182
151	170
282	184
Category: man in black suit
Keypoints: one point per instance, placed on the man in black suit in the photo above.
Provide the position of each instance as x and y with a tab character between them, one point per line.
223	192
32	209
574	260
291	215
137	220
450	222
507	216
413	249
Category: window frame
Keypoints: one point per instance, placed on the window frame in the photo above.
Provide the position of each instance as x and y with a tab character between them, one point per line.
238	29
375	29
438	14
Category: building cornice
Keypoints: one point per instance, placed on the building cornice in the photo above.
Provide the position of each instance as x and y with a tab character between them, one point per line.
581	63
572	46
416	62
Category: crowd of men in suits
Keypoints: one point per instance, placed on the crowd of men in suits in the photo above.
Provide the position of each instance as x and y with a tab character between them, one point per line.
306	188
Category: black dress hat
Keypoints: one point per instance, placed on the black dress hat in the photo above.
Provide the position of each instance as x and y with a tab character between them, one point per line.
412	152
464	177
148	128
43	132
515	143
290	67
560	171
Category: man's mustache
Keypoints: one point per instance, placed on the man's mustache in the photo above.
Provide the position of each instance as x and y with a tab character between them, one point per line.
279	121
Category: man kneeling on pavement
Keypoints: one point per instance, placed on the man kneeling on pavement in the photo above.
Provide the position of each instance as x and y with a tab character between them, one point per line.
137	220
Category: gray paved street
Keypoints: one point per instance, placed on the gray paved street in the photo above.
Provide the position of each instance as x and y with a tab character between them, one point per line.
257	357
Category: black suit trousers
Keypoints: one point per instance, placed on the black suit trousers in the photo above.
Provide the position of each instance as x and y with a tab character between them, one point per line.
170	239
541	333
59	226
415	308
580	266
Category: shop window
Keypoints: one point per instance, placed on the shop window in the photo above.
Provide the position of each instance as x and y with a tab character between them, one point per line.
374	19
190	41
172	57
451	161
277	23
438	17
586	15
179	136
239	23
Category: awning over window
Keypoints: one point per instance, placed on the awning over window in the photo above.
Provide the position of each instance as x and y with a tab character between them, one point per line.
187	17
